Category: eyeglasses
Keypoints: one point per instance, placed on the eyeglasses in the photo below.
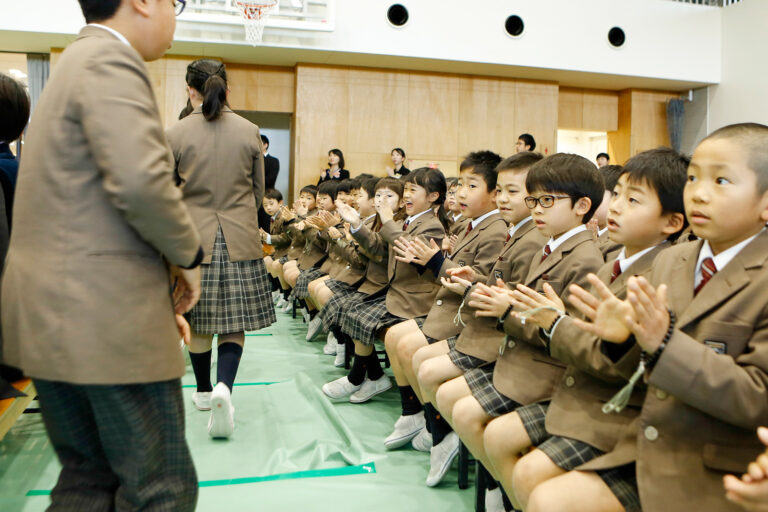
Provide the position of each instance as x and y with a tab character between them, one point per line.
179	5
546	201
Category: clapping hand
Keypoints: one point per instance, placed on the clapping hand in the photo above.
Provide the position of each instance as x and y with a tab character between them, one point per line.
385	212
465	272
751	491
449	243
594	227
286	214
263	234
300	209
455	284
490	301
416	251
650	320
348	213
606	314
334	233
541	310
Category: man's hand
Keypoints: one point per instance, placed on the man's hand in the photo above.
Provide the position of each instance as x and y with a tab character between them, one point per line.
186	288
607	314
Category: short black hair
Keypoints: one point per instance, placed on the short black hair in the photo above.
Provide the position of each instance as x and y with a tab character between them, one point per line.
399	151
347	185
99	10
274	194
329	188
14	109
451	182
665	171
519	161
568	174
264	139
483	164
309	189
611	175
369	185
528	140
753	138
339	154
604	155
364	176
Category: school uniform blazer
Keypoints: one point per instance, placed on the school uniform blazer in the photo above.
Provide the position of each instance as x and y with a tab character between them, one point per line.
609	248
298	239
281	241
707	393
315	249
408	295
478	249
220	170
377	270
459	226
525	372
86	291
590	380
481	337
353	265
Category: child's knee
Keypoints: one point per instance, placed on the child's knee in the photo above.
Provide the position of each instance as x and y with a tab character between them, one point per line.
528	474
465	415
546	498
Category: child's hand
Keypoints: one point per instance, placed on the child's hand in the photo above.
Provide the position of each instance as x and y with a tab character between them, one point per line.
331	219
286	214
606	313
301	225
452	243
751	491
317	222
467	273
385	212
650	321
300	209
184	329
390	172
527	299
456	285
402	248
422	252
334	233
186	288
490	302
263	235
348	213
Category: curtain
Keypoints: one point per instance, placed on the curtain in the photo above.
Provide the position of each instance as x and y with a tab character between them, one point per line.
38	69
675	121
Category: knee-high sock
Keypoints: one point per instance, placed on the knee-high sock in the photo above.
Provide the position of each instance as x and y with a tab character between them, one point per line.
229	361
201	365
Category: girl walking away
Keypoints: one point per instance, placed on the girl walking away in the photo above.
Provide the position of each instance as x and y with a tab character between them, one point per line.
220	170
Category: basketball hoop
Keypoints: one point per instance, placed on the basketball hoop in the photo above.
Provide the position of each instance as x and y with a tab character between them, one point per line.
255	15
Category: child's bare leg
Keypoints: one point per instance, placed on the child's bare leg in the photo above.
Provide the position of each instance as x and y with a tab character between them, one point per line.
448	394
469	421
531	471
323	295
268	263
392	340
433	372
362	350
504	440
575	491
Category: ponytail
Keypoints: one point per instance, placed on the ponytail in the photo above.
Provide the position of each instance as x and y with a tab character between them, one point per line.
215	94
442	215
186	110
432	180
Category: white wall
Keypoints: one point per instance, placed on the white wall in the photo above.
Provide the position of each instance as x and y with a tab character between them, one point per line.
665	40
743	91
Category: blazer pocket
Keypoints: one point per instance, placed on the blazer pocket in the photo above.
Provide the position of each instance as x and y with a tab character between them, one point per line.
724	337
551	362
729	459
121	255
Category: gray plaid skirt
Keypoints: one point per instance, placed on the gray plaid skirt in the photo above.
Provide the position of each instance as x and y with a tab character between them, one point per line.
301	290
463	361
623	484
480	382
568	453
533	416
363	320
236	295
343	296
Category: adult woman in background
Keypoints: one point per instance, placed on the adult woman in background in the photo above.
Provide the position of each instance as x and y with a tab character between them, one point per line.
398	161
220	170
335	170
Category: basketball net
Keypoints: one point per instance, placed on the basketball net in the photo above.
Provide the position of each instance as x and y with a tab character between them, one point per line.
255	16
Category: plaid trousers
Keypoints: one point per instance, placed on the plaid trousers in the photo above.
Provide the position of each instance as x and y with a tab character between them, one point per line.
122	447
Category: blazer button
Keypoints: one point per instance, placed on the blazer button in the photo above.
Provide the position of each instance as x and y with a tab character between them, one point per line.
661	394
651	433
511	344
439	302
570	381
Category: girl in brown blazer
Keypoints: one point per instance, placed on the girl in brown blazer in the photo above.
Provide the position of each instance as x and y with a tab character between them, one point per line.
408	296
220	170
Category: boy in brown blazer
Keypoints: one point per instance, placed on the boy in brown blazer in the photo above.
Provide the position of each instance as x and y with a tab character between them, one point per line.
91	317
695	331
609	248
565	190
645	213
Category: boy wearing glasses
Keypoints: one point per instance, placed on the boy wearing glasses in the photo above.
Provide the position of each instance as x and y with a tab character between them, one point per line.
91	318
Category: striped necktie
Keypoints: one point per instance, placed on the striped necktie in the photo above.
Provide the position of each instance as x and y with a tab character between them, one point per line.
616	270
547	252
405	226
708	270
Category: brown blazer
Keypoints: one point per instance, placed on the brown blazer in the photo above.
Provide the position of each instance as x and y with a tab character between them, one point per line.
590	380
479	249
220	168
377	254
280	239
481	337
315	249
408	295
701	410
351	269
86	294
525	372
459	226
608	247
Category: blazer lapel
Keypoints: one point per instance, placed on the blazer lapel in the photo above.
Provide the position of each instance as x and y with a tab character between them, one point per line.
466	239
540	268
640	267
725	282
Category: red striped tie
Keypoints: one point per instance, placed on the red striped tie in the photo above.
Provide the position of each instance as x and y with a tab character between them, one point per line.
708	270
509	237
405	226
469	228
547	252
616	270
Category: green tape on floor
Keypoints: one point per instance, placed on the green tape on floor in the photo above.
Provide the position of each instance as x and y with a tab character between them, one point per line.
260	334
315	473
240	384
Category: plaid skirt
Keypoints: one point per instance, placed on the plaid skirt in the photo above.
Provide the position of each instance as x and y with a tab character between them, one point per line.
301	290
362	321
622	481
332	313
480	382
568	453
236	295
463	361
533	416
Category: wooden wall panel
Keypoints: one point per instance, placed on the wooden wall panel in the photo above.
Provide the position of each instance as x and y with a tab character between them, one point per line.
570	109
642	123
433	115
263	89
587	109
486	115
536	113
619	139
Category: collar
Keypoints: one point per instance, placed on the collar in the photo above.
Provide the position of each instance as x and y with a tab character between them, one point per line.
625	262
601	232
414	217
112	31
480	219
725	257
368	218
514	228
274	217
456	217
554	244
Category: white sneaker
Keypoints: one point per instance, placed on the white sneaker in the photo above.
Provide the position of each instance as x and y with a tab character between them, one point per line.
202	400
340	388
494	502
280	302
423	441
275	296
305	314
330	345
222	421
341	351
406	428
441	457
314	327
288	306
370	389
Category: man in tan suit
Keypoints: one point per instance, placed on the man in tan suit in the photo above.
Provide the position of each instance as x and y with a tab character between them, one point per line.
87	305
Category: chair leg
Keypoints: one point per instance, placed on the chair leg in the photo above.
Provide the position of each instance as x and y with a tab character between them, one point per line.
349	352
481	479
295	307
463	466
